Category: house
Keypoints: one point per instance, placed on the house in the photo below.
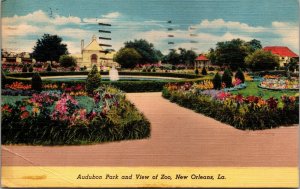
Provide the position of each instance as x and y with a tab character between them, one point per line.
285	54
201	61
93	53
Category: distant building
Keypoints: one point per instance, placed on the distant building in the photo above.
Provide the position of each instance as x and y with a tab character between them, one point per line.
201	61
12	57
285	54
93	54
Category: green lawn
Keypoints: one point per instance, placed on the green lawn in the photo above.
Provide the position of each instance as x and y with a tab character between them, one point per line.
253	89
11	99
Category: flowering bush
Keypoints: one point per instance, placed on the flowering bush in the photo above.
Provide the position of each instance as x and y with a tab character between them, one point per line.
242	112
53	117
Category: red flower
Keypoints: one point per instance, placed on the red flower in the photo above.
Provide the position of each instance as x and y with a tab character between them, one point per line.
6	108
24	115
239	98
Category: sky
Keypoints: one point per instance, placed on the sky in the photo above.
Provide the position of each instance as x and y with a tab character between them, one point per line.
273	22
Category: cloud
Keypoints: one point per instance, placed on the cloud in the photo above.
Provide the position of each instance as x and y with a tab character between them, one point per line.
22	31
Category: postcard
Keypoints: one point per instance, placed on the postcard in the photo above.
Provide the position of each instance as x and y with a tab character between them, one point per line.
148	93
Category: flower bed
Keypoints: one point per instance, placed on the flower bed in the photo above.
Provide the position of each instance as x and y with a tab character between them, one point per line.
279	83
246	113
57	118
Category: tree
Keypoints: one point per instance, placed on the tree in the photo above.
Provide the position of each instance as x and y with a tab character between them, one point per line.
227	79
146	50
262	60
187	57
127	57
232	53
93	80
36	82
204	72
24	68
67	61
240	75
254	45
49	68
49	47
217	81
173	57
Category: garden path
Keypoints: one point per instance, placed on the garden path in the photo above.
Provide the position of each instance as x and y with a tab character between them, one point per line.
179	137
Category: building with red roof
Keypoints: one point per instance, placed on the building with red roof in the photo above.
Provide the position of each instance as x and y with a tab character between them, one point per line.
285	54
201	60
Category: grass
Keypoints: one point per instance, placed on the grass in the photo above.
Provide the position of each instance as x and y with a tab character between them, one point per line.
11	99
253	89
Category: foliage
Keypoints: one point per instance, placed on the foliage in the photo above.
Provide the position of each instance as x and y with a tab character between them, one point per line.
3	78
196	71
187	57
49	47
93	80
36	82
246	113
49	68
227	79
24	68
217	81
204	72
128	57
262	60
240	75
67	61
145	49
232	53
30	69
172	58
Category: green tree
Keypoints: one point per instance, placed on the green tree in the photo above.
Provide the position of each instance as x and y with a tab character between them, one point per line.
240	75
30	69
187	57
173	57
254	45
67	61
49	47
127	57
36	82
146	50
227	79
262	60
231	53
49	68
212	56
24	68
204	72
196	71
93	80
217	81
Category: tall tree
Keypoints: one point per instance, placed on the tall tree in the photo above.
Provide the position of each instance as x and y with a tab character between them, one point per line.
262	60
254	45
127	57
49	47
173	57
147	51
187	57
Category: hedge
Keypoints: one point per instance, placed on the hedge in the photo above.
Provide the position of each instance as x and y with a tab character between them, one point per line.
126	86
157	74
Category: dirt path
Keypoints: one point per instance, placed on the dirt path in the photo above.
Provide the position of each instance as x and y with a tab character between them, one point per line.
180	137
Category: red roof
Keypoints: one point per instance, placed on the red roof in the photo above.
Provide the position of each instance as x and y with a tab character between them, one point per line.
281	51
201	57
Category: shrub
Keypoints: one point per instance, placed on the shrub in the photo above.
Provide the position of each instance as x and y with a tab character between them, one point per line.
217	81
93	80
3	79
36	82
227	79
240	75
211	68
67	61
49	68
24	68
30	68
196	71
204	72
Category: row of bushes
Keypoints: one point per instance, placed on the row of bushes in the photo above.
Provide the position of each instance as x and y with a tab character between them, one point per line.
244	117
157	74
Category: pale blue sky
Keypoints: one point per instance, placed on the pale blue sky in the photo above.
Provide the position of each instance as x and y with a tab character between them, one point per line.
273	22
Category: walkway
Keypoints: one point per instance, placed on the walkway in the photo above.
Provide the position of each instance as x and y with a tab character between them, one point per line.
180	137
